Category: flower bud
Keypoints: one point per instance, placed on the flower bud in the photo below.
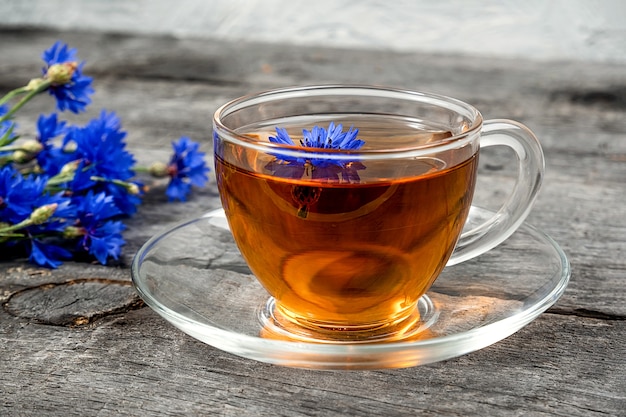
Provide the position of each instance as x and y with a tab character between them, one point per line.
60	74
133	189
21	157
71	232
70	147
69	168
32	146
27	151
42	214
158	170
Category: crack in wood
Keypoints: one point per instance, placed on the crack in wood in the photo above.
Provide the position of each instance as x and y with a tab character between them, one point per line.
73	303
587	313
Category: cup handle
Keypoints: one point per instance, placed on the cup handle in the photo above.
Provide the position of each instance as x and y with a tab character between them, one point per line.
497	228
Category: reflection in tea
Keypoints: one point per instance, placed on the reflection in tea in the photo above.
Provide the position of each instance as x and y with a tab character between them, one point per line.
348	254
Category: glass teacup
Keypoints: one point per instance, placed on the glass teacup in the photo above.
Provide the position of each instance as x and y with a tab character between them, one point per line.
348	201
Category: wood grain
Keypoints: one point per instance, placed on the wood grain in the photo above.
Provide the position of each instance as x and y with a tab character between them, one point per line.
571	361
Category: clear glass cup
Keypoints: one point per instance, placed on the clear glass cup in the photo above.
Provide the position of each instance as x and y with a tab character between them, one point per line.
348	241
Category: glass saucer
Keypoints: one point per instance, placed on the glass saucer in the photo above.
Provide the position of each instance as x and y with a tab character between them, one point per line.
194	276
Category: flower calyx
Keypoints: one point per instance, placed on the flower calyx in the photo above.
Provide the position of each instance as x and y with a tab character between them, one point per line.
61	73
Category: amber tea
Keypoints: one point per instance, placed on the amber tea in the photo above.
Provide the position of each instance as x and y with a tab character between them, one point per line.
348	252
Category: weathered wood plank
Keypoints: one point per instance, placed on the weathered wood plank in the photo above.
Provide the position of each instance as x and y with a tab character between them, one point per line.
138	364
570	361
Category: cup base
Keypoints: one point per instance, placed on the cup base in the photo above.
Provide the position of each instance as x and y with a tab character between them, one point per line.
277	326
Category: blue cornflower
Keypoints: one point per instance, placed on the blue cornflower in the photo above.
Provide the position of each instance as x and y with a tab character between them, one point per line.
18	195
48	255
102	151
319	167
42	237
51	158
99	235
186	168
318	137
100	144
49	127
64	214
69	86
21	198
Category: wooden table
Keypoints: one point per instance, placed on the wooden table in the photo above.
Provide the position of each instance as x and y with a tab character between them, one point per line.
78	341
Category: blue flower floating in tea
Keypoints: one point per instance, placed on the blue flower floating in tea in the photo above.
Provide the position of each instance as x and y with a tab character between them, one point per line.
318	167
318	137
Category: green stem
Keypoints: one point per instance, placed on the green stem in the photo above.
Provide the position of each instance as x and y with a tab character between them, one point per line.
32	93
140	169
12	227
67	173
11	148
130	187
54	184
12	94
113	181
7	235
8	136
59	179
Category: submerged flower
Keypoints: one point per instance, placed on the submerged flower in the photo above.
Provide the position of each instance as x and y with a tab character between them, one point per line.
69	86
318	137
318	167
186	168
